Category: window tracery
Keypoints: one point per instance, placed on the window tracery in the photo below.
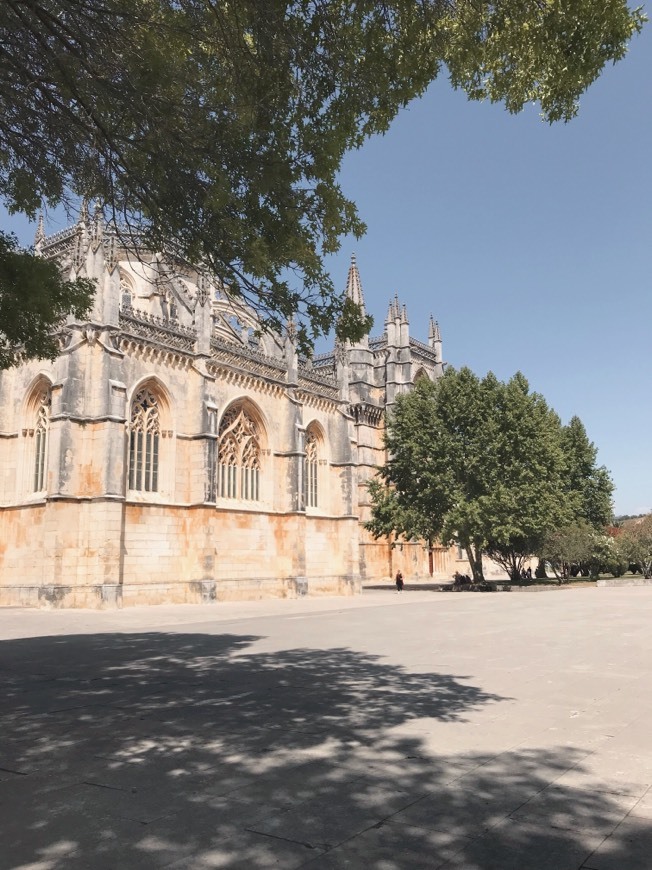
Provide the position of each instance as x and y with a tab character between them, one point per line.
144	437
172	309
310	477
126	293
41	437
239	456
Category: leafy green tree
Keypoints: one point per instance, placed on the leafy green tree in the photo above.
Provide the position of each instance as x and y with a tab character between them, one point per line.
34	298
606	556
466	406
477	462
216	129
635	543
591	487
526	498
567	546
414	490
393	520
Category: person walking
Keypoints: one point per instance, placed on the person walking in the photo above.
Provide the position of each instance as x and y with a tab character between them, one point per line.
399	582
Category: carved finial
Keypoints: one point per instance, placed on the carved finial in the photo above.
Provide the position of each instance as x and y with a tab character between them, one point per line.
397	307
404	317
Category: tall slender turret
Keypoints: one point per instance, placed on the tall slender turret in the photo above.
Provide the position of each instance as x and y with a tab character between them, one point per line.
404	327
390	325
359	358
434	338
39	238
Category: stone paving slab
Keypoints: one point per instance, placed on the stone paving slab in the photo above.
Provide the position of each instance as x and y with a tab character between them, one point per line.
510	846
630	847
383	732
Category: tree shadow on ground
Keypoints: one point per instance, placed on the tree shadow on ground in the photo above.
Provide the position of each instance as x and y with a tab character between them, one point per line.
186	750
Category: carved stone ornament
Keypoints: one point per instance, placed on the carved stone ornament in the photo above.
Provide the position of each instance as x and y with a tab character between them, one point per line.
91	334
166	333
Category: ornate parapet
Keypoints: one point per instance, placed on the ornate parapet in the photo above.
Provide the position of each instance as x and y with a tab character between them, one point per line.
240	356
318	380
324	361
166	333
424	352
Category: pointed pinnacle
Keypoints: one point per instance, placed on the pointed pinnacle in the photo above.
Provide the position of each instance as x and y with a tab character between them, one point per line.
40	231
84	218
354	284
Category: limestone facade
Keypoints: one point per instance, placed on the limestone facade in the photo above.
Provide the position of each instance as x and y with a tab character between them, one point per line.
170	454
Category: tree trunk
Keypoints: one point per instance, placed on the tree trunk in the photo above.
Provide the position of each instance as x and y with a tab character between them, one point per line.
474	555
514	569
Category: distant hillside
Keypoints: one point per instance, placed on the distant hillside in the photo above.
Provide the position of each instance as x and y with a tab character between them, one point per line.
618	521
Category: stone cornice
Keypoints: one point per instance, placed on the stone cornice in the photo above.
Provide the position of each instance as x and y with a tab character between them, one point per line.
367	414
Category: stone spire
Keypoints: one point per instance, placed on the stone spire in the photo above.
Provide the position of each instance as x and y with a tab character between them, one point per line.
39	238
404	317
354	285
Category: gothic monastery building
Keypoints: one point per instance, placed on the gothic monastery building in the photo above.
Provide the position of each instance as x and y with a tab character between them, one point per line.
170	455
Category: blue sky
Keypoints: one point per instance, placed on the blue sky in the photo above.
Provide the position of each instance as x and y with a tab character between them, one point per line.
529	243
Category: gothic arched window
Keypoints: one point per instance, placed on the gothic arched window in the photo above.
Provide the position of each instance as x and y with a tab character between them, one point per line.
238	463
41	432
173	311
126	293
144	435
310	476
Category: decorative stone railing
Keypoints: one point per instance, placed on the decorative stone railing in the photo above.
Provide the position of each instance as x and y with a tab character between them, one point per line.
316	374
323	359
317	380
248	358
424	350
168	333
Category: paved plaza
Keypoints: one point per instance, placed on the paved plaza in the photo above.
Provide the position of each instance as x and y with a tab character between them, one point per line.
507	731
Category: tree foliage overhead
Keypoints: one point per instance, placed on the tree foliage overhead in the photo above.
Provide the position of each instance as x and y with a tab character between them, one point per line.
218	128
34	298
485	464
